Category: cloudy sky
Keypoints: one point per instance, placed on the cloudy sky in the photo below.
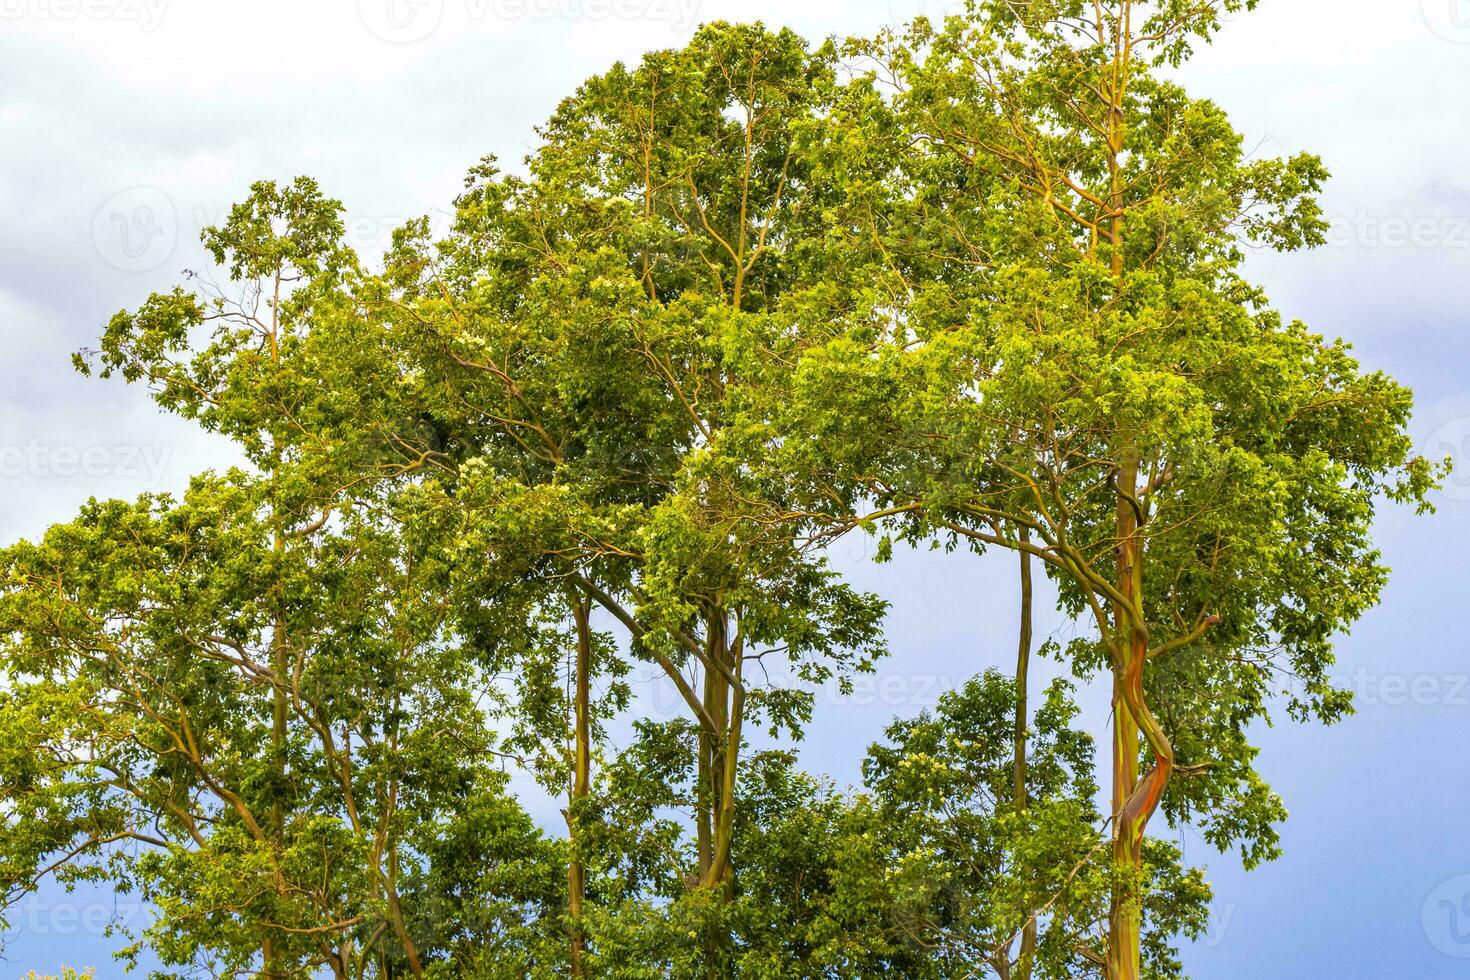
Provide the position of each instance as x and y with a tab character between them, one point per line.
128	125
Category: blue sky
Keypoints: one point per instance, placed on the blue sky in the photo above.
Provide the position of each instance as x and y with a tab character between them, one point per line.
127	125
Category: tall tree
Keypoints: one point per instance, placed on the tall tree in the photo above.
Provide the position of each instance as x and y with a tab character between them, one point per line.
1075	369
257	682
704	157
585	335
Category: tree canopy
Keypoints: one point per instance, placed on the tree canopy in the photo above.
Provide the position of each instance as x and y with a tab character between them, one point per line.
974	284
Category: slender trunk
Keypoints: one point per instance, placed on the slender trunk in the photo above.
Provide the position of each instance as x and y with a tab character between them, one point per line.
1125	915
581	783
723	871
400	924
1019	795
717	704
725	706
281	667
1135	797
704	788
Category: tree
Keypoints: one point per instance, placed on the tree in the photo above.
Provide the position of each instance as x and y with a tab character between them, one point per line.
930	871
982	291
260	685
585	333
985	863
1076	369
143	750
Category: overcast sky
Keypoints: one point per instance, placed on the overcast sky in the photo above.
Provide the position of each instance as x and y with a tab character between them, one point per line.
128	125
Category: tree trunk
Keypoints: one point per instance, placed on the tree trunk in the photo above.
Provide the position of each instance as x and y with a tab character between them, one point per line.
721	758
720	754
1125	917
400	924
705	781
271	965
1023	667
1135	798
581	783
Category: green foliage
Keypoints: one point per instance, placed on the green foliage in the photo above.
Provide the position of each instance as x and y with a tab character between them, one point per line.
974	283
142	672
1066	239
929	871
